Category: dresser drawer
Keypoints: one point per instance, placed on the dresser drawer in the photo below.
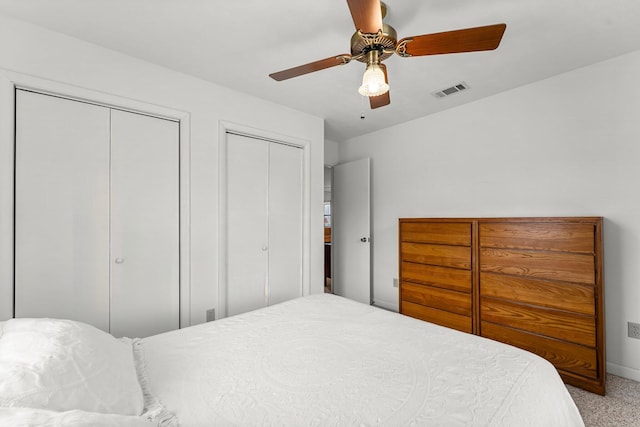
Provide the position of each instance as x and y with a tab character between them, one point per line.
442	255
458	234
439	317
547	236
565	356
575	298
442	277
443	299
568	267
542	321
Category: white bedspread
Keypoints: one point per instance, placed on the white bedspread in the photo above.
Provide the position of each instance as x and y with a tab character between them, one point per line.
324	360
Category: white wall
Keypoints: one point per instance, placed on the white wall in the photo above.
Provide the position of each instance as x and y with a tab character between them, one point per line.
566	146
30	50
331	152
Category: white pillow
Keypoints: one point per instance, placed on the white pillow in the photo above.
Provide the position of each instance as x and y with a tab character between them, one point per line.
23	417
63	365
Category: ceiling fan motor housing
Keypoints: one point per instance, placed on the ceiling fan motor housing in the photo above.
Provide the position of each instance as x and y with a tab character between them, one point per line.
384	42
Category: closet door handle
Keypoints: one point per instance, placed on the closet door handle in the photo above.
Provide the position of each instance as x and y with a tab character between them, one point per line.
119	260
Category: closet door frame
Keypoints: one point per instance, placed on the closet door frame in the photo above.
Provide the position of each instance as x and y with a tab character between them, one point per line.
305	146
12	81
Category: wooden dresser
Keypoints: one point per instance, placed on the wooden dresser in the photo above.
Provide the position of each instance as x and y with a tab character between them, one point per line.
535	283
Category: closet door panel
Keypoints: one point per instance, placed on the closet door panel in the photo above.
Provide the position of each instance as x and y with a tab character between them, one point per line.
285	223
62	201
144	225
247	223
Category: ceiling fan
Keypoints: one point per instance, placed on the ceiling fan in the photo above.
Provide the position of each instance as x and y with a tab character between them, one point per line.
374	41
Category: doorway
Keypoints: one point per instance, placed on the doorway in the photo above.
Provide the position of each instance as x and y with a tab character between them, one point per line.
350	220
328	178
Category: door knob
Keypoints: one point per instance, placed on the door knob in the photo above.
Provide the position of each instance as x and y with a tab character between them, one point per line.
119	260
364	239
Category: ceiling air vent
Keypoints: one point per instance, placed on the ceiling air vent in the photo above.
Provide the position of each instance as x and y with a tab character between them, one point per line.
451	90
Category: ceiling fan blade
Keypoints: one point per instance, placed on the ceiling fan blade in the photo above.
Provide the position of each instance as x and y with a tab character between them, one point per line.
311	67
379	101
466	40
366	14
384	99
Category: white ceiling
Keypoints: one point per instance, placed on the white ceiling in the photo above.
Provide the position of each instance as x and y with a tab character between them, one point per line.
237	43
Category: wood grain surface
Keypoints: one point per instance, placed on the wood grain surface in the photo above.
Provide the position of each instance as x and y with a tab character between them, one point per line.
535	283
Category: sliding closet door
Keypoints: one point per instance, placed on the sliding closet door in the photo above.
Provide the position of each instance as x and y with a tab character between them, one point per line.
247	224
285	222
61	209
144	255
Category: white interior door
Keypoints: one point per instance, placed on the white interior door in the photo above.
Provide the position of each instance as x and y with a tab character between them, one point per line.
350	217
145	257
247	215
285	222
61	209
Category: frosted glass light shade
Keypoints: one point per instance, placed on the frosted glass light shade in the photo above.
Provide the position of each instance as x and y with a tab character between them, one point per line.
373	81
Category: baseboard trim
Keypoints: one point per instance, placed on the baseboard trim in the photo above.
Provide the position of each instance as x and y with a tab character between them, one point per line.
623	371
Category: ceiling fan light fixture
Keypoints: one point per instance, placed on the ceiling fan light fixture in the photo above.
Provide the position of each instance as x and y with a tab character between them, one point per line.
373	82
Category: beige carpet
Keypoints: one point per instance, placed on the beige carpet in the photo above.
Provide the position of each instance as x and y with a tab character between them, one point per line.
619	408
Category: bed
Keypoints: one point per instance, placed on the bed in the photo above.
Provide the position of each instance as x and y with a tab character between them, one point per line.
317	360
